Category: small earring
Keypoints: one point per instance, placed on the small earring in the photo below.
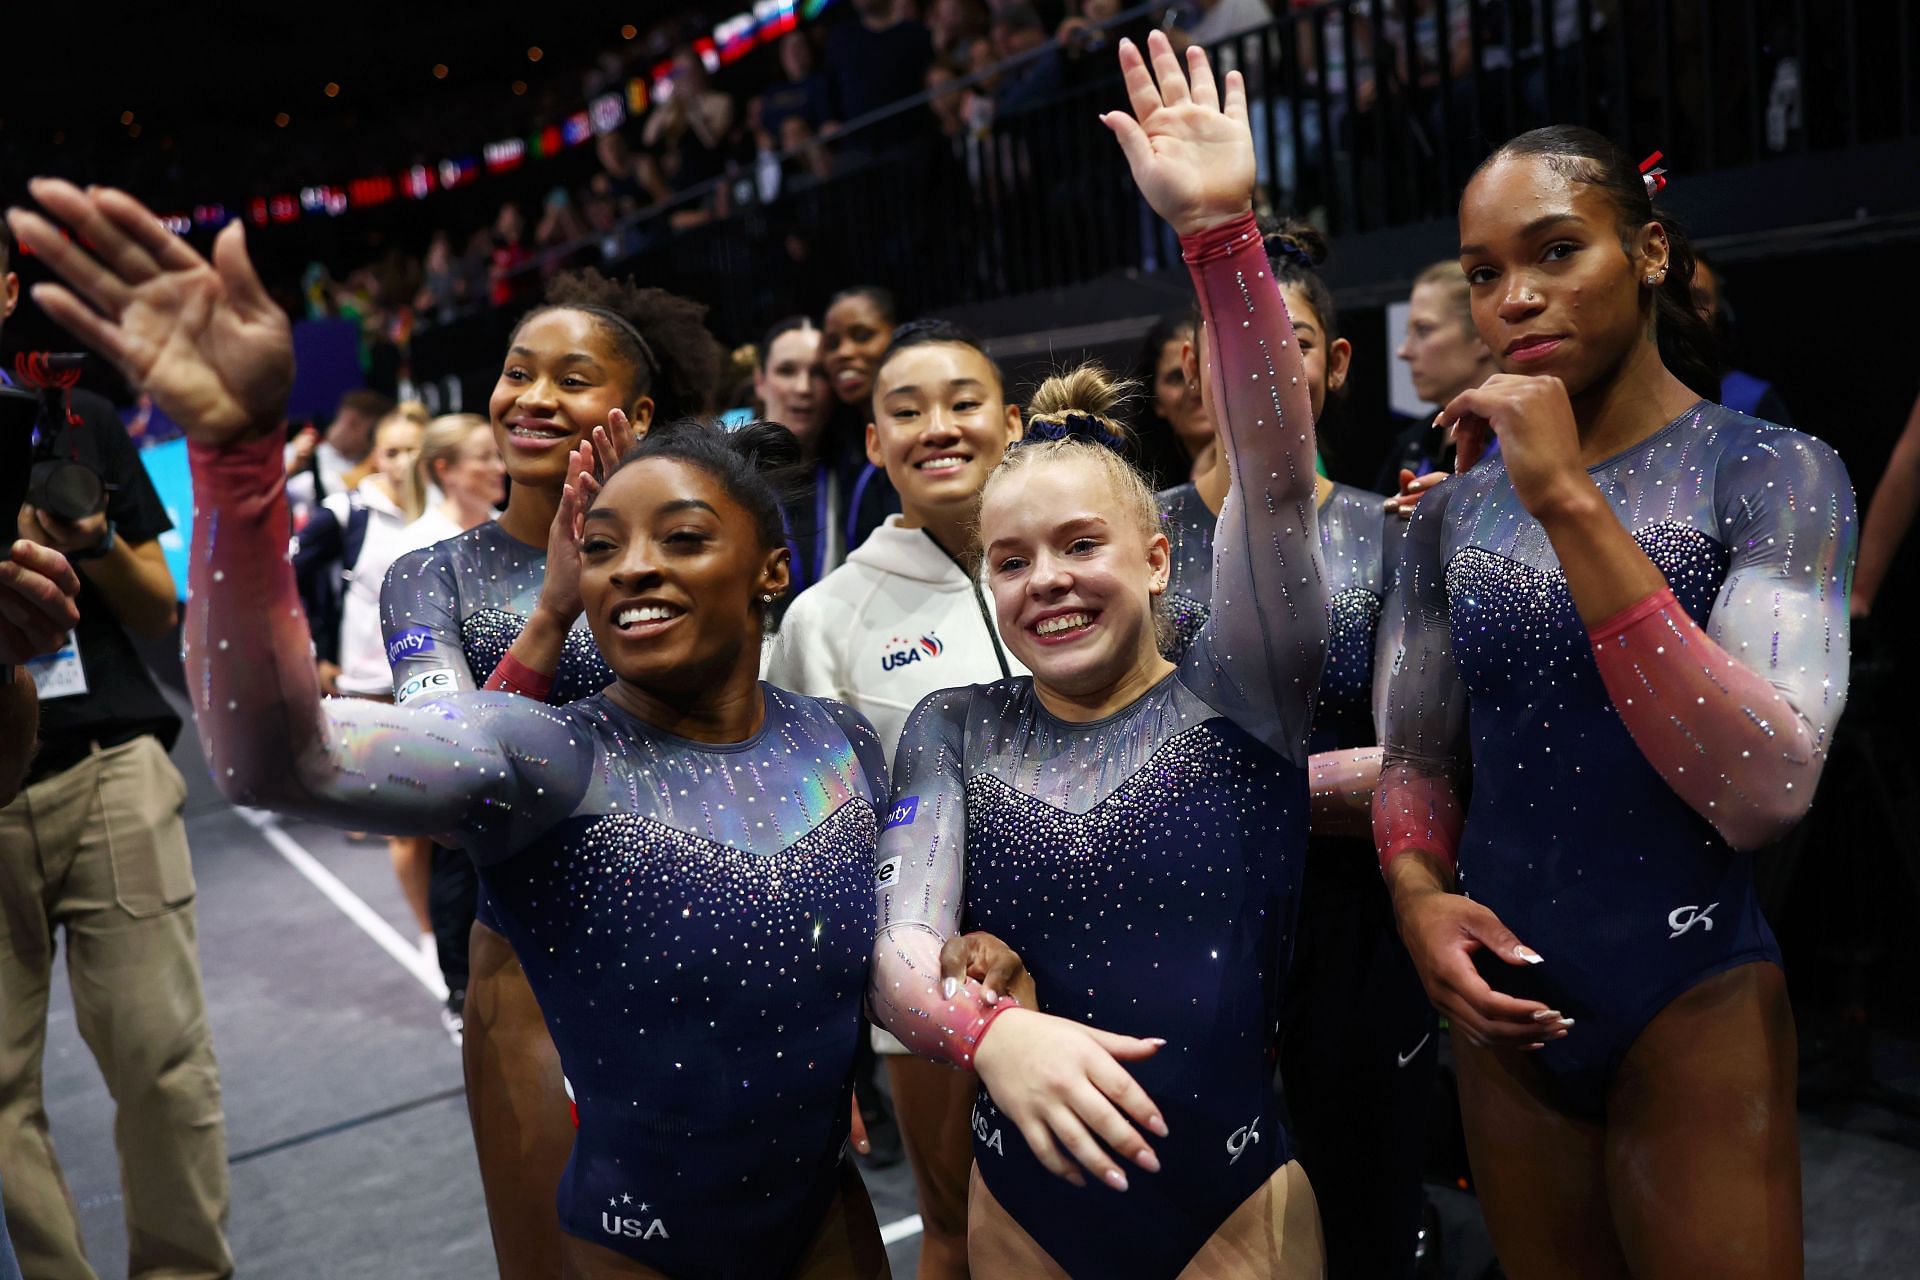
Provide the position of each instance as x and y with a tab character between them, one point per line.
767	598
1653	281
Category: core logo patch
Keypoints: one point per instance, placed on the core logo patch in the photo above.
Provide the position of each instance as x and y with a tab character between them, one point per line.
429	682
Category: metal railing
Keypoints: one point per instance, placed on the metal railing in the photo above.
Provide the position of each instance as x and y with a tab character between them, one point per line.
1368	114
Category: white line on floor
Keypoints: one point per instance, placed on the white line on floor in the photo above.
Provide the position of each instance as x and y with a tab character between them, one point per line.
894	1232
351	905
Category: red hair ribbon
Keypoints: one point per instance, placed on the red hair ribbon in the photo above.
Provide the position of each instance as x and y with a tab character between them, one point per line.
1656	179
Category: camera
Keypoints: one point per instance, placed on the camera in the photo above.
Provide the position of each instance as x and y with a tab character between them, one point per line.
63	486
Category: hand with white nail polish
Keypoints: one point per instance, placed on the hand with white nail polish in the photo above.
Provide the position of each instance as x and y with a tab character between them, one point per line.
987	960
1442	931
1063	1086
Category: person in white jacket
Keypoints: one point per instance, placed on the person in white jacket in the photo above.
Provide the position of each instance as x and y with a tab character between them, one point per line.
903	617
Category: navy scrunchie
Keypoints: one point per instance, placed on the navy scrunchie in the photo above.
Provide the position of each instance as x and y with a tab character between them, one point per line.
1279	246
1073	426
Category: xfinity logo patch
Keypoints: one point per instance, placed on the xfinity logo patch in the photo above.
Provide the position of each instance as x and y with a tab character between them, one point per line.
903	650
1681	919
903	813
431	681
410	643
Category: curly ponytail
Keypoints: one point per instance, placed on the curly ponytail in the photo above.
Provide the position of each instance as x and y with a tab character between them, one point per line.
662	336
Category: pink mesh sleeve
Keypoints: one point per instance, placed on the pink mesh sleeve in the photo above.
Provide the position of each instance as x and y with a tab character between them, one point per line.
270	739
1258	658
1736	716
921	882
1730	744
1342	784
1420	703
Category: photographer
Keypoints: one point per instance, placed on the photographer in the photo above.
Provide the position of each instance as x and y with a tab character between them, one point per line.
93	845
37	610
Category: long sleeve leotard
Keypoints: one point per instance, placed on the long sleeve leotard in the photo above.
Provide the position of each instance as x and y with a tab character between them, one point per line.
1146	865
451	611
1615	774
696	920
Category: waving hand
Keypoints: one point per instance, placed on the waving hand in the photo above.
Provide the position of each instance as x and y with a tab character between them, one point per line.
202	338
1191	153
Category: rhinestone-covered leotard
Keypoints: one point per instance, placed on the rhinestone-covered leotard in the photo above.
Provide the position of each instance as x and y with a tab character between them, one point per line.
451	611
1577	834
1188	524
696	920
1145	866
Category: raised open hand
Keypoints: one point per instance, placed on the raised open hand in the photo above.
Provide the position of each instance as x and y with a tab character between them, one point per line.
202	338
1191	153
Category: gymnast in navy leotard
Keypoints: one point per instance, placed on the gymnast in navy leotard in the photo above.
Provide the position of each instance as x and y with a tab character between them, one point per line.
1135	830
684	862
1357	1090
1628	632
597	353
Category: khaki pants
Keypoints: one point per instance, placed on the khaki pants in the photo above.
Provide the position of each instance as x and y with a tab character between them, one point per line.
99	850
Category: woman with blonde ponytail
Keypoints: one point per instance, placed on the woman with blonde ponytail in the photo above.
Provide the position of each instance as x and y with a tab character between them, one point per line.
1133	829
460	477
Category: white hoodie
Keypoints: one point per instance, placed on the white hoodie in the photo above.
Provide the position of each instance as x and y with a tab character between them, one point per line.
363	653
898	621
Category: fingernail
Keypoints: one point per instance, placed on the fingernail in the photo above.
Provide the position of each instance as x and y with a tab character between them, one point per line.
1546	1015
1076	1180
1155	1123
948	987
1117	1180
1529	1048
1566	1022
1528	954
864	1147
1156	1042
989	995
1147	1160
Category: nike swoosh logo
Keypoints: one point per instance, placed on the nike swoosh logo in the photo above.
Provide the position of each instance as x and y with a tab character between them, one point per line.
1410	1054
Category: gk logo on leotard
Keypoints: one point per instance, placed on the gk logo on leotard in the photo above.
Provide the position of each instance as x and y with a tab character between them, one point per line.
641	1228
1242	1138
1681	919
988	1135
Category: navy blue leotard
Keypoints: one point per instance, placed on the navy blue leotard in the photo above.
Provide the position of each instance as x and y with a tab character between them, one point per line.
695	919
1188	524
1574	835
1145	866
449	612
1358	1090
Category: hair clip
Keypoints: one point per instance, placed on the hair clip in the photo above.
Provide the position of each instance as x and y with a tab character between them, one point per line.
1073	426
1655	178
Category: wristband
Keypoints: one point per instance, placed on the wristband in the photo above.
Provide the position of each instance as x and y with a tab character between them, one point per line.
515	676
967	1038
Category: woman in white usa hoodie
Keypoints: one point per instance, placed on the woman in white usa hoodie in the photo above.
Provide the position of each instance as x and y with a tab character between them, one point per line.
904	617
